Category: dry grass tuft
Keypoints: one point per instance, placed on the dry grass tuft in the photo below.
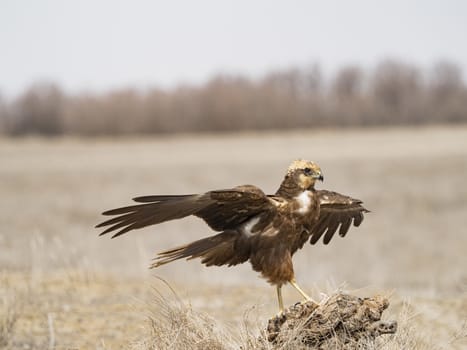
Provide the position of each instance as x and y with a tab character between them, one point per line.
8	318
172	324
406	337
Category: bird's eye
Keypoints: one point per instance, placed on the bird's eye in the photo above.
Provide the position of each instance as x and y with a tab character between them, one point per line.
307	171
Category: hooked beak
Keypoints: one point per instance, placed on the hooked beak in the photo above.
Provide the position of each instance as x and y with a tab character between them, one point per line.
319	177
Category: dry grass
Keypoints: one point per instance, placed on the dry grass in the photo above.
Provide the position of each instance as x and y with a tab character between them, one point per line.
173	324
71	310
8	318
63	287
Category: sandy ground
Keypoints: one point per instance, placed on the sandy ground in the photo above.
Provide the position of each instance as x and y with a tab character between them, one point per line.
64	284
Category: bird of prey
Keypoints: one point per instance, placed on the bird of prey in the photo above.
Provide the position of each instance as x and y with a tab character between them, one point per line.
251	226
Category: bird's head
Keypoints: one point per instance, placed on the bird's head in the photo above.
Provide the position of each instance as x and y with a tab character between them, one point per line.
305	173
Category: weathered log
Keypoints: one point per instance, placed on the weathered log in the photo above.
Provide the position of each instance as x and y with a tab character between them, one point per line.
342	321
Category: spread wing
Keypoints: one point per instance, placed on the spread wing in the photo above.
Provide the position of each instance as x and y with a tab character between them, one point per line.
221	209
336	210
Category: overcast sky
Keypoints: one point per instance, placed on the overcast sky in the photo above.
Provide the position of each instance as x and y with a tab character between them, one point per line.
96	45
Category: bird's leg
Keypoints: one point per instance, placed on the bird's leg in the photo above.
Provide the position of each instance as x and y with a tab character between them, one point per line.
279	298
293	282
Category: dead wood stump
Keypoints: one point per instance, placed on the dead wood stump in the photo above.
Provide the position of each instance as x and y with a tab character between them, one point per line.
341	322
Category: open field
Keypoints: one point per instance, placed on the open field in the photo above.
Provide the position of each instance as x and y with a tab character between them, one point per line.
63	287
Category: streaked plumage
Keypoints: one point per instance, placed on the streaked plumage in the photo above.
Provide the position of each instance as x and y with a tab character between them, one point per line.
252	226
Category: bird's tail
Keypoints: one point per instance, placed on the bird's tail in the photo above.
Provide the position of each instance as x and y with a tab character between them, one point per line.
214	250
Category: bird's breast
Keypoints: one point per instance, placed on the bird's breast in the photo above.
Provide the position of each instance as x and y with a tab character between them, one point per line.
304	203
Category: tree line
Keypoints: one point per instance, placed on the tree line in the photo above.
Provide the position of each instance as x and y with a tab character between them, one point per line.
392	93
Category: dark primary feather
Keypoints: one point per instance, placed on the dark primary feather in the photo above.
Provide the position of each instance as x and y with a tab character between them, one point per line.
221	210
336	210
164	208
160	198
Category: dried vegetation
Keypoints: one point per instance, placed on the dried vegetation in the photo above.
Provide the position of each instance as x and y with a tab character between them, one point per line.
62	287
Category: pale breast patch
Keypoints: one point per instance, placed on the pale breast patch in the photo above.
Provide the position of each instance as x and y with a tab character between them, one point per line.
304	201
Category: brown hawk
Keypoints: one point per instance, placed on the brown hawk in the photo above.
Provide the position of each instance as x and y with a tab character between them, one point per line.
252	226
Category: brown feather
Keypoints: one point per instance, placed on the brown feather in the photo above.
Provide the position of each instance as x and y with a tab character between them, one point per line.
231	208
160	198
336	209
345	227
142	215
331	230
214	250
357	220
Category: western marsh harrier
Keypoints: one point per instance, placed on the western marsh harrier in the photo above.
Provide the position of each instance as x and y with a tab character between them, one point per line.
252	226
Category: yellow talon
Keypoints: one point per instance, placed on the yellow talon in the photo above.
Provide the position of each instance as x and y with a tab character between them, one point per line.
293	282
279	298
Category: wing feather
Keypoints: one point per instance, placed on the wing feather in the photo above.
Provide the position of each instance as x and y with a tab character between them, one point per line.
164	208
320	228
232	208
357	220
334	224
221	210
336	210
159	198
345	226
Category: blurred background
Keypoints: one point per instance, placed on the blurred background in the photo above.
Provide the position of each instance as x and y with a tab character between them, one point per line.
104	101
124	68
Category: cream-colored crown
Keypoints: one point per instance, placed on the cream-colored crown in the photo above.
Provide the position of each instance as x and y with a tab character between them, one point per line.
302	164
